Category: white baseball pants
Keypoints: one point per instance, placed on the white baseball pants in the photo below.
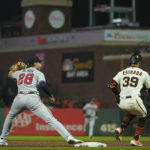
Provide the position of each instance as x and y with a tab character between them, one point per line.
35	105
134	106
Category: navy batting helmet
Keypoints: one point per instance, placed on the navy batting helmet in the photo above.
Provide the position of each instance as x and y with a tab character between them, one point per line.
135	58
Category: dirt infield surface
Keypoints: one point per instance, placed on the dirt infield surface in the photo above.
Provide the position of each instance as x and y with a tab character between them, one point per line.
60	144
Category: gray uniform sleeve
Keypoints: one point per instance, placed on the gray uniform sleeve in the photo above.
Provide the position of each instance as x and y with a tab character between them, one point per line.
41	77
15	74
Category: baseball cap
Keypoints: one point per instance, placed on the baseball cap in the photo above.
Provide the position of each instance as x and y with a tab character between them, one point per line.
31	60
93	99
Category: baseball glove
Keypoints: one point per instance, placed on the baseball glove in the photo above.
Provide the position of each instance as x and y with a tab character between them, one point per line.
18	66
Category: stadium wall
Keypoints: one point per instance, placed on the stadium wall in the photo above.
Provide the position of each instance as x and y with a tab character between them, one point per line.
102	73
98	55
27	123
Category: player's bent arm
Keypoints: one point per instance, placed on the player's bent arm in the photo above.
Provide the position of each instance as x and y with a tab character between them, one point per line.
148	91
10	74
114	87
46	89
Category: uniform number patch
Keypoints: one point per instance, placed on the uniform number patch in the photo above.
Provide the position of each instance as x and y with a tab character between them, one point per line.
133	81
25	78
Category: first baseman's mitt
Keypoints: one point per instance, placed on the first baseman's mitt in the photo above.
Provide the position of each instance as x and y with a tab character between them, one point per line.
18	66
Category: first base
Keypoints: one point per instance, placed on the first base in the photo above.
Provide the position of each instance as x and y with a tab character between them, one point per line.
90	144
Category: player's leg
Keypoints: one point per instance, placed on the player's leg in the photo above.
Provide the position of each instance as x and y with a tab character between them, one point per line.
15	109
138	132
141	113
126	105
126	121
91	126
44	113
142	118
86	122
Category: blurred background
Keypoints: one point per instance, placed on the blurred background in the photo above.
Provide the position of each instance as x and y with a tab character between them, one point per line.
83	44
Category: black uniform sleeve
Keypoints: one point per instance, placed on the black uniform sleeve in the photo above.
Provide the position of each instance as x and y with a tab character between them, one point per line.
114	87
45	88
148	91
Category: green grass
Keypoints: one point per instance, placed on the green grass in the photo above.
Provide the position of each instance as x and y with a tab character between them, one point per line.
84	138
59	138
74	148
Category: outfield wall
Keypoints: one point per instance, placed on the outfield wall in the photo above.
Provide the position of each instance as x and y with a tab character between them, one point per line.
27	123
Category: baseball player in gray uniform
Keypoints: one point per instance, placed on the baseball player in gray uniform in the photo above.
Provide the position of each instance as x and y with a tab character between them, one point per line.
131	80
28	98
90	113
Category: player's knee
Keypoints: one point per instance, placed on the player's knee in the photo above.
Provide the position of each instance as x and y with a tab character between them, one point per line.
11	115
142	121
50	120
144	114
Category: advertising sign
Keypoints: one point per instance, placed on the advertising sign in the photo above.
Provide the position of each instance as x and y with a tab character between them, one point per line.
29	19
56	19
78	67
26	123
127	35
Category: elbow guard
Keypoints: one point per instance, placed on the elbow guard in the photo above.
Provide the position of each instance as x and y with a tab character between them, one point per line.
114	87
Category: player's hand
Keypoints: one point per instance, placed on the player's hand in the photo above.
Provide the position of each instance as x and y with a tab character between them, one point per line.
52	98
96	117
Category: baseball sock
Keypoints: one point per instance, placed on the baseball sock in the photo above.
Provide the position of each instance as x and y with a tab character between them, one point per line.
139	128
126	121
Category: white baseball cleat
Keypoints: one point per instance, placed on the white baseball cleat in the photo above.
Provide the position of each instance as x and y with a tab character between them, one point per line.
136	143
3	142
72	140
118	134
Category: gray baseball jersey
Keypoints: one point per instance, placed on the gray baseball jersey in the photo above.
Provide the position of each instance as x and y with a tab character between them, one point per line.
90	109
28	79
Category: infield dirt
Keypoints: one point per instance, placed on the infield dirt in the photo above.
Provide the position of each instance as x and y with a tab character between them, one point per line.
60	144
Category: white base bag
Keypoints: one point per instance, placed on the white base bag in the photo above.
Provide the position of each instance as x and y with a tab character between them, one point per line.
90	144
